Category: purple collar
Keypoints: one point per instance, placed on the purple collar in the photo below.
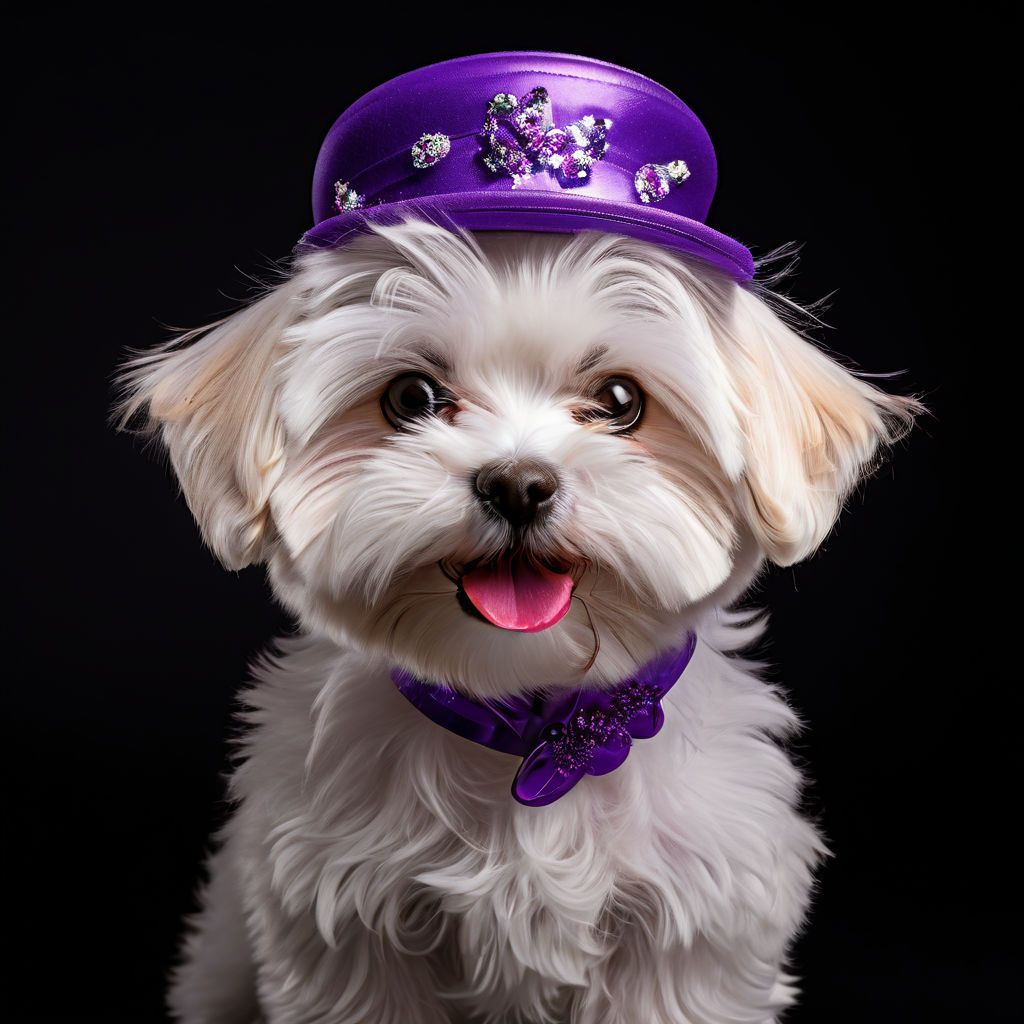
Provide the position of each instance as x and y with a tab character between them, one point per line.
561	735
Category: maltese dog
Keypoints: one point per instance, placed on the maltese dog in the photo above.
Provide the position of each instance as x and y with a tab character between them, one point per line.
510	483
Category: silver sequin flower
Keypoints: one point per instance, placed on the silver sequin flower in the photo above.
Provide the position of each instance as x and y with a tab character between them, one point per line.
431	148
347	198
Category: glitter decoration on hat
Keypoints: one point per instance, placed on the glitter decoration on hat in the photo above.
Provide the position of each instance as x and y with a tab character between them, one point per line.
430	149
347	198
521	137
654	181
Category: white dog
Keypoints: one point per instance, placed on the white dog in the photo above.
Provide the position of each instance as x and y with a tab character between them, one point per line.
660	433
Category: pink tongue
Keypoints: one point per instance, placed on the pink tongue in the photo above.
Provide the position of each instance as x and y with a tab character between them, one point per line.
516	595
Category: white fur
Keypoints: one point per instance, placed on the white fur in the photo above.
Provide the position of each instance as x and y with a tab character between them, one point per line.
377	869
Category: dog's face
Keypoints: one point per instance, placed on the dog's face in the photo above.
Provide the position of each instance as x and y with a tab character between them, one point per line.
512	459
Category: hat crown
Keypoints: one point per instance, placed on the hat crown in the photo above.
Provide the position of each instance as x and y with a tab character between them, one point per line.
524	140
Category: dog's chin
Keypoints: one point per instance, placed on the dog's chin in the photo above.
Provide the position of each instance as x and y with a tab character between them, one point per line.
427	624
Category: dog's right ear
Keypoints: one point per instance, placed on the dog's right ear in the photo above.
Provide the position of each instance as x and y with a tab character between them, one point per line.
210	398
812	429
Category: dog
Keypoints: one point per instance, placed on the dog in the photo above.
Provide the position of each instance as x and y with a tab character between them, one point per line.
502	463
375	869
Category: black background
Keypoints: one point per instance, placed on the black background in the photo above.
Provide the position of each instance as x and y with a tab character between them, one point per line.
162	166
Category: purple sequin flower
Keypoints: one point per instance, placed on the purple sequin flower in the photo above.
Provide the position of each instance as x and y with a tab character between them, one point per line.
520	137
577	744
654	181
594	739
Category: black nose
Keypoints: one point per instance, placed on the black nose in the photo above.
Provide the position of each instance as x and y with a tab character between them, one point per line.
519	490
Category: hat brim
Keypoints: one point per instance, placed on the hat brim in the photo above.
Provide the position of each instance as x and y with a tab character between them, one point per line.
560	212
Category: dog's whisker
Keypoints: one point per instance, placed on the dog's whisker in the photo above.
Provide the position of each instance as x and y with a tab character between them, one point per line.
618	636
597	637
443	565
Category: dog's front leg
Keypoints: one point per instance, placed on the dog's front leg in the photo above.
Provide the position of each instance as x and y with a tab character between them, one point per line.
215	982
703	983
359	979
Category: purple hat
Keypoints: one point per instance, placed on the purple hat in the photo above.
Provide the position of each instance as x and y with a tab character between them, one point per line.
524	141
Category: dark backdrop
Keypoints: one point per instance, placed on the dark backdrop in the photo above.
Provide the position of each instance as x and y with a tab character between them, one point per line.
161	167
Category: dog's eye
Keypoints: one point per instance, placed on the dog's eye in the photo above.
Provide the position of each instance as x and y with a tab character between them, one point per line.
411	397
620	403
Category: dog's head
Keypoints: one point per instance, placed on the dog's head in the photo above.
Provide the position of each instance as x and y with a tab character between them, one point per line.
510	458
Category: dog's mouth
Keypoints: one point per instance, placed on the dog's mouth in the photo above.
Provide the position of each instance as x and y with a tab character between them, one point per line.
523	593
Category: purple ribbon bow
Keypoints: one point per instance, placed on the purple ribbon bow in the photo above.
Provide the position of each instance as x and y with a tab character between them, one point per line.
561	735
521	136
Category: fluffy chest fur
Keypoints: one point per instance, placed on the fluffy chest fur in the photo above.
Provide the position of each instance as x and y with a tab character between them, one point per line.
361	818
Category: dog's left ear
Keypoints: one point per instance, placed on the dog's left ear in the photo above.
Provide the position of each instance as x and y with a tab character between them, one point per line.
210	397
811	429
